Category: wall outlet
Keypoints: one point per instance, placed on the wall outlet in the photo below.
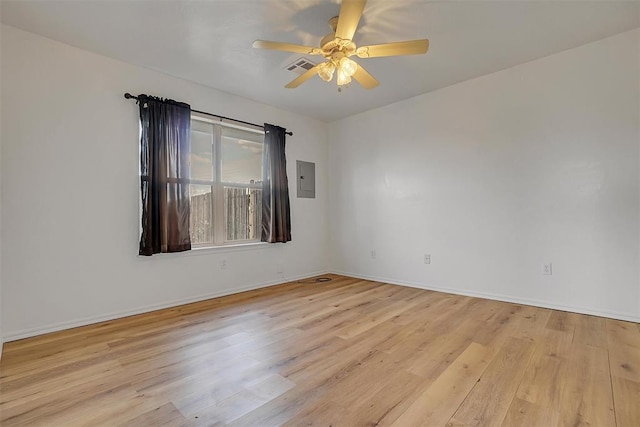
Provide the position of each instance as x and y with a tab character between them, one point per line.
427	258
279	268
223	264
373	253
546	269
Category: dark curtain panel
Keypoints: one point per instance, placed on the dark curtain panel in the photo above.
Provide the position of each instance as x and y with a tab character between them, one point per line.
276	215
164	170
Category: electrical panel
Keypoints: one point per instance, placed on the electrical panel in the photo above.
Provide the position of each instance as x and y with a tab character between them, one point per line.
306	179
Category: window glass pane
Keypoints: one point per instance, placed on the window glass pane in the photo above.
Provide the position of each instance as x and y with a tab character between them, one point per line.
201	217
241	156
201	156
242	213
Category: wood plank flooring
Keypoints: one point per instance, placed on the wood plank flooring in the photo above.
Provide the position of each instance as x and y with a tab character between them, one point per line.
347	352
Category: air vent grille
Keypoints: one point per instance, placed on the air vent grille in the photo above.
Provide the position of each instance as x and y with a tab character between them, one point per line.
300	66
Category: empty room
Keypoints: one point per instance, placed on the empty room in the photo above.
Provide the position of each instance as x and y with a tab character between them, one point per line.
319	213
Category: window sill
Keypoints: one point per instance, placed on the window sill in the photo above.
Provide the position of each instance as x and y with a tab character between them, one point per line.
231	247
212	250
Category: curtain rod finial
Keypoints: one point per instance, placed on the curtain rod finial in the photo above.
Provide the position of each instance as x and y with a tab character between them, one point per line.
127	95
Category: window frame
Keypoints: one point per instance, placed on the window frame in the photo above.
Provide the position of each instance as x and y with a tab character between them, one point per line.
219	238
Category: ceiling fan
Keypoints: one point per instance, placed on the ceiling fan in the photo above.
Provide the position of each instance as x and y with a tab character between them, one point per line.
338	46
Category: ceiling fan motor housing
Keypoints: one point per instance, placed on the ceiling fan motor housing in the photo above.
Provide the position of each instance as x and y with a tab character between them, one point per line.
331	44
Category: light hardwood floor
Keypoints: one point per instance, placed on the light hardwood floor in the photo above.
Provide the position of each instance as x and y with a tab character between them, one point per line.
343	353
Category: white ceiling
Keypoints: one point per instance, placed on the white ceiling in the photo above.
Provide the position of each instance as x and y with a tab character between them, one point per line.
209	42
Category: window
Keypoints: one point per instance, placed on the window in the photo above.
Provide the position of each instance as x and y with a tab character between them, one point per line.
225	184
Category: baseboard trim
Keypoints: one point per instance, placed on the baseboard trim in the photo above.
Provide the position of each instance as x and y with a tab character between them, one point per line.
496	297
28	333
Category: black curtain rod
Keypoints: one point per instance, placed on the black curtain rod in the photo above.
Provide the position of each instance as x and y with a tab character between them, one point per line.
129	96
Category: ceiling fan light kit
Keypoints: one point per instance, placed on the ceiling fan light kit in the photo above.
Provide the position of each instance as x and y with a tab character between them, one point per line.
338	46
325	70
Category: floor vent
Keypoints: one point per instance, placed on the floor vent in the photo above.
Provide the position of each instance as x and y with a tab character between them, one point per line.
316	280
300	66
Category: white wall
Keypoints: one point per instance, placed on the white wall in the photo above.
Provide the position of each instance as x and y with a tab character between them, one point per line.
496	176
70	193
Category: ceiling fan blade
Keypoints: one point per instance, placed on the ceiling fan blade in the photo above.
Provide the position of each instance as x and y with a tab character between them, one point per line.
350	14
394	49
302	78
287	47
363	77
